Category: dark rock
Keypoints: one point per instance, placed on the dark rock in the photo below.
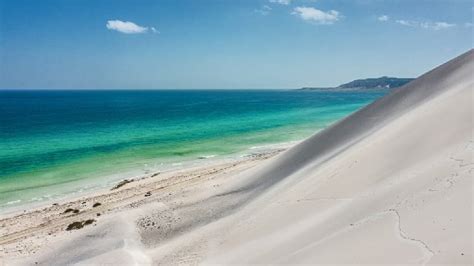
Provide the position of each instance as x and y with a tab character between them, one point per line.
122	183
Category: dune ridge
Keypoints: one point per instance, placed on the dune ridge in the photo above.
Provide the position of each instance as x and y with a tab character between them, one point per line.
402	125
390	184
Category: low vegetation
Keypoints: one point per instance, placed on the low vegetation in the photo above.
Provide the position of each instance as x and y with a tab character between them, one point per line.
68	210
79	224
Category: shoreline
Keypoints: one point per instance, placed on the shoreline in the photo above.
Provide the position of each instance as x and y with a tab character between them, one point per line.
103	184
27	228
347	194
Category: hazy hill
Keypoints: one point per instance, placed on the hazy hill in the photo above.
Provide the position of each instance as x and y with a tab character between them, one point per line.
370	83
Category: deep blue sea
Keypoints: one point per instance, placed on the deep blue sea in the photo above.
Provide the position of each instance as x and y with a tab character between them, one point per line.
51	140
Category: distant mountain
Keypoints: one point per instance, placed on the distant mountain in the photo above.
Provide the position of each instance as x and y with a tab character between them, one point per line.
370	83
382	82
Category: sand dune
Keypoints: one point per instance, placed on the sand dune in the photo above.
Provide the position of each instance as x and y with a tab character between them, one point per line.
390	184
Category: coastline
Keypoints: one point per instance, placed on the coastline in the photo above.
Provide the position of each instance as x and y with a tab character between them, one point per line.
62	149
344	195
102	184
26	228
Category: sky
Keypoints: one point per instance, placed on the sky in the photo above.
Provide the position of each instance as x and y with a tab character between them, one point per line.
224	44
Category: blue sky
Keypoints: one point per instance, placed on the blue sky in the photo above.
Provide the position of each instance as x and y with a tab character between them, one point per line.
117	44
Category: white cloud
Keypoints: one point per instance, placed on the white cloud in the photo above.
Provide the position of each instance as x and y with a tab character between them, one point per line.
437	25
383	18
316	16
426	25
265	10
406	23
128	27
281	2
468	25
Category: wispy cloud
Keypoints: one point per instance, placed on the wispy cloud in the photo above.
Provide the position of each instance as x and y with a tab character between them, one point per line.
383	18
437	25
440	25
281	2
406	23
468	25
128	27
264	10
317	16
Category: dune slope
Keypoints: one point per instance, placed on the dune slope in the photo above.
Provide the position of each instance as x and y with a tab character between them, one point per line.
391	183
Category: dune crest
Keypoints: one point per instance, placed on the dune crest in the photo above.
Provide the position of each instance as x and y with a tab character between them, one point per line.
396	175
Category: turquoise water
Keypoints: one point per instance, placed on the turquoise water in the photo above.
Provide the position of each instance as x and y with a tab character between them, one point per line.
53	142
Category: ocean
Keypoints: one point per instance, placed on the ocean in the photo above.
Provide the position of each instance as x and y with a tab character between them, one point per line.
57	142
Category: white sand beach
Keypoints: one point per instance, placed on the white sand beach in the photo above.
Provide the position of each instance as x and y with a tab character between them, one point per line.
391	184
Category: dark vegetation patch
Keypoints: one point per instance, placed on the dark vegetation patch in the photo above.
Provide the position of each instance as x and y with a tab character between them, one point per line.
79	225
68	210
89	221
97	204
74	226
